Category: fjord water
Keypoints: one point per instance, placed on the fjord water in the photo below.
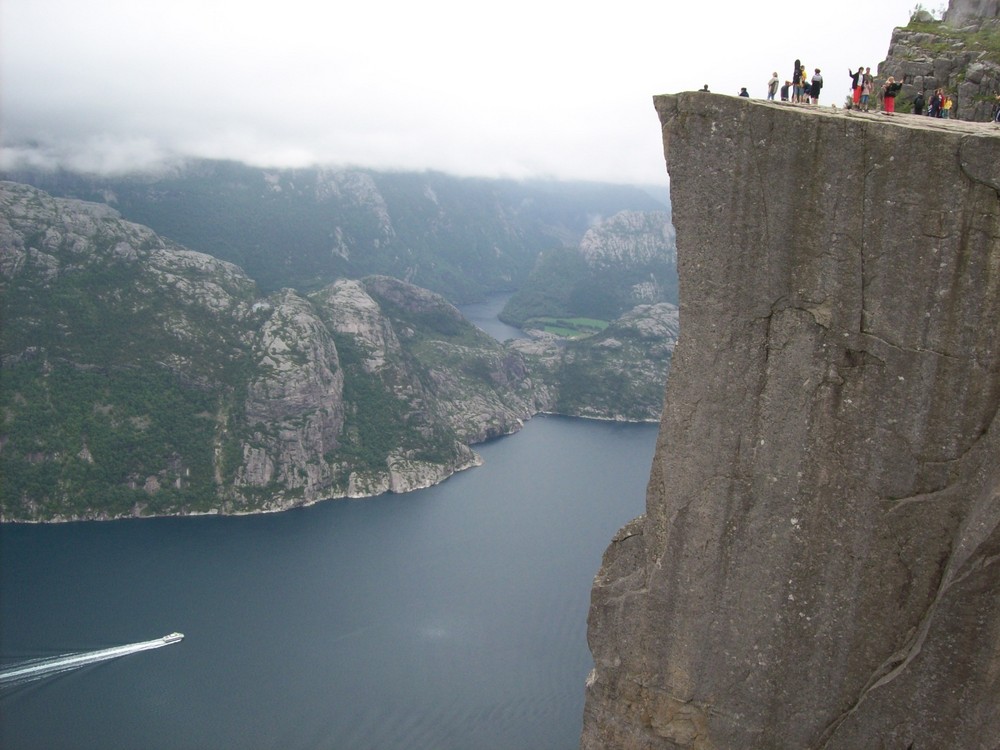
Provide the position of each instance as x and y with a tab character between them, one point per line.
448	618
484	315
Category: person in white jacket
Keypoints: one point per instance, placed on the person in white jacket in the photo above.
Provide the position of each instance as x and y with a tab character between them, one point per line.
772	86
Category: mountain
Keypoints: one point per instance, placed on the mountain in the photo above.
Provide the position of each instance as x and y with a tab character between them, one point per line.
960	54
819	562
305	228
618	373
625	260
140	377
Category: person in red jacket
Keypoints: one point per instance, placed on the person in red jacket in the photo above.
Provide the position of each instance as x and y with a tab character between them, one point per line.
857	80
890	89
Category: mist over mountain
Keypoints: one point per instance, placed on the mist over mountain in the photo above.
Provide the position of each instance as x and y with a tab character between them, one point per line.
303	228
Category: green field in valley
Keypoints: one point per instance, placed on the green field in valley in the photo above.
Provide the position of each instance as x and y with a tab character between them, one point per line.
571	328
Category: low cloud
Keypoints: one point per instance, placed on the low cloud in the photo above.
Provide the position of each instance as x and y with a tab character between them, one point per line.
547	88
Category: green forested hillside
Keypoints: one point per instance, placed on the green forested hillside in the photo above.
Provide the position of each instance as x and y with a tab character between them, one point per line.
140	377
303	228
628	259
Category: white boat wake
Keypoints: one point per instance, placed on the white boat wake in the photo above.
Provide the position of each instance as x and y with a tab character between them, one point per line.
35	669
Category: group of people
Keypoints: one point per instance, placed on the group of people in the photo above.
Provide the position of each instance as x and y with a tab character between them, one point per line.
863	86
940	104
803	88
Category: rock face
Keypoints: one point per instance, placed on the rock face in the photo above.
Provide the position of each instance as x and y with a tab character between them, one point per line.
819	563
963	11
960	54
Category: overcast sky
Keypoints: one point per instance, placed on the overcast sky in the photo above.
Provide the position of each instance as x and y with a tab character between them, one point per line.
524	88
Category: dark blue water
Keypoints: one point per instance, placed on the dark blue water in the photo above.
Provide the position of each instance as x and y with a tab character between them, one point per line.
484	315
452	617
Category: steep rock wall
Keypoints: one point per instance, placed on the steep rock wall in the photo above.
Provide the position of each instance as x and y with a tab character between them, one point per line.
819	563
960	55
963	11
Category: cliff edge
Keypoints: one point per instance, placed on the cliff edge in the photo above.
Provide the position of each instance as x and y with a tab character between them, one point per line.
819	563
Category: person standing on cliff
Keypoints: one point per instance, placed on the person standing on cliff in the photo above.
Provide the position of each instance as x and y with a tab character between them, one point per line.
918	104
867	89
946	107
890	90
772	86
784	91
815	86
797	82
857	81
934	110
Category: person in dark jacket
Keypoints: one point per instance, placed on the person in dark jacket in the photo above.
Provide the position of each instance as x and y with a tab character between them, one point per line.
890	90
857	79
814	87
918	104
784	91
936	101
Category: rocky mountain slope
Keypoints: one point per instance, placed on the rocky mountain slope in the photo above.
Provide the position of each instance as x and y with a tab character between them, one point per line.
819	563
305	228
625	260
140	377
960	54
618	374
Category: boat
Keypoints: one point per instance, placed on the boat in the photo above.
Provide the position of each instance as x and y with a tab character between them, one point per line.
173	638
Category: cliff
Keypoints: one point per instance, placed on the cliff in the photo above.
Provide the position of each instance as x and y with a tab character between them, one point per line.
819	562
960	54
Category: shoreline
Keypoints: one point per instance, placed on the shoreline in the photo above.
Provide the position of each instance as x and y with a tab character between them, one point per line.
477	461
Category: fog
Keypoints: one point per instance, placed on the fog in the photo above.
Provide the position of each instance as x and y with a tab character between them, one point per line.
524	89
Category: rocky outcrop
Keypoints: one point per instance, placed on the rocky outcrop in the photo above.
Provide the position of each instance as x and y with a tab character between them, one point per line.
960	54
819	563
142	378
617	374
294	407
961	12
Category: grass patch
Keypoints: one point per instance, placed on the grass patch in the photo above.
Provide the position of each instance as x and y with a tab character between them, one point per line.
570	328
986	39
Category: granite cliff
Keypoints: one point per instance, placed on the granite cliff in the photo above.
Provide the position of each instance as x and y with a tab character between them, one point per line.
819	562
959	53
